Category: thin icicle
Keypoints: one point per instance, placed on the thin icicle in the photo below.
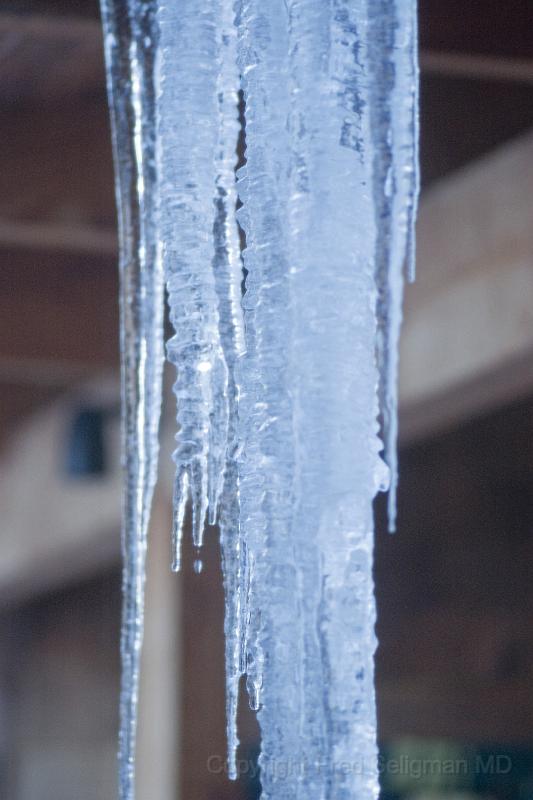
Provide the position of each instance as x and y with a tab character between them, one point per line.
394	69
130	42
187	143
404	199
227	270
412	96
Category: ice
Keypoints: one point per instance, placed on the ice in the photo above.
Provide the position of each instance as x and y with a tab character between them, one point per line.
393	65
227	268
310	464
266	460
199	85
279	392
187	144
130	39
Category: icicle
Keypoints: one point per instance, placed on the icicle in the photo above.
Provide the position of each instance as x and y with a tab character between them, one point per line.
393	66
412	96
187	143
130	41
265	406
278	433
310	536
333	376
403	203
227	270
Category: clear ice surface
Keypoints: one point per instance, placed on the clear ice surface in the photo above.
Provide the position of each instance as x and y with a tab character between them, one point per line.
278	392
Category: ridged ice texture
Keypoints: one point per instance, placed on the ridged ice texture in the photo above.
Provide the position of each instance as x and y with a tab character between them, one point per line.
188	140
277	418
130	45
227	268
198	89
310	450
266	424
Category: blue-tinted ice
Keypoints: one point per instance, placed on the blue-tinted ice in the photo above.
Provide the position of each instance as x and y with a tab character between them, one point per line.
279	392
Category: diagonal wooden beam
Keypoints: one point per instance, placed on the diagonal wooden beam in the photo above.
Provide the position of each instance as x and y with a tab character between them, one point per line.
467	344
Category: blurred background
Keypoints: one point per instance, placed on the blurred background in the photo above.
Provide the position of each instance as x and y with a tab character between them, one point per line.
454	586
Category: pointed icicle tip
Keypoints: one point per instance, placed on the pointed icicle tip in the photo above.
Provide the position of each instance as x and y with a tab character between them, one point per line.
199	502
181	496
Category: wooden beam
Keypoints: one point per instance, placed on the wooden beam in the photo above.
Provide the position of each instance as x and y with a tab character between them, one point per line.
467	342
47	373
57	170
58	307
477	67
492	28
49	59
57	237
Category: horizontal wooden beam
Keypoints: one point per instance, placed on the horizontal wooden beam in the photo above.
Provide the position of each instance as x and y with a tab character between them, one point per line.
58	306
48	373
487	68
57	170
49	58
57	237
492	28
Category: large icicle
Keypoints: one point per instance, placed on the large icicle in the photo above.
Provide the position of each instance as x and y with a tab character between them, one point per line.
188	112
310	464
130	45
266	462
278	419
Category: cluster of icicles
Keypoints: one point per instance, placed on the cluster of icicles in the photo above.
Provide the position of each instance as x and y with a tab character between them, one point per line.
281	377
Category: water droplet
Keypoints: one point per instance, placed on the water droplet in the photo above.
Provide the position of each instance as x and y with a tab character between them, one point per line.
198	565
